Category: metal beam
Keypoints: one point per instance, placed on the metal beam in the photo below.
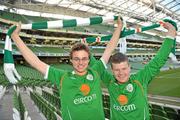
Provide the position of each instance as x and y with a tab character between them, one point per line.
164	11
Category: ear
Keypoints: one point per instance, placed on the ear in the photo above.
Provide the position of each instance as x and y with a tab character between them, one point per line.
111	69
129	66
111	66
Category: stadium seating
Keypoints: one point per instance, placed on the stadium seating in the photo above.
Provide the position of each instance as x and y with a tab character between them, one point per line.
31	77
168	109
3	80
157	107
18	104
173	115
45	107
53	99
106	105
163	113
159	112
157	117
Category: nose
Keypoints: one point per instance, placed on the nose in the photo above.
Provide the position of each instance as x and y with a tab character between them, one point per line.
120	72
80	61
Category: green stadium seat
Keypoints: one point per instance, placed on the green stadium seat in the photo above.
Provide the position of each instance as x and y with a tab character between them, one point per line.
150	106
107	112
157	117
159	112
58	112
106	105
18	104
156	107
56	92
168	109
44	106
173	116
178	111
150	110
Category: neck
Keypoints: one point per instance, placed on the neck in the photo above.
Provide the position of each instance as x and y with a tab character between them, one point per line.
81	73
121	82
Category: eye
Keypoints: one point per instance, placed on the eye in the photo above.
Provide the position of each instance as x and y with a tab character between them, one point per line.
84	59
116	70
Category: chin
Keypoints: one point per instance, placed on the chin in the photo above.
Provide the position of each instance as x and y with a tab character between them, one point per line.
122	81
81	70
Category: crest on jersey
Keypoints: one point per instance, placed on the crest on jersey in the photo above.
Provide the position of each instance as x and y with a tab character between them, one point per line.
89	77
129	87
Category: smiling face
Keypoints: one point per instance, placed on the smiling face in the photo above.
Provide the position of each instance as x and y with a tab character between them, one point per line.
80	61
80	58
120	67
121	71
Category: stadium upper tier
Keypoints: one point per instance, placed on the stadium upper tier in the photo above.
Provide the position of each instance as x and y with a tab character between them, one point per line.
135	50
135	42
40	49
93	30
25	19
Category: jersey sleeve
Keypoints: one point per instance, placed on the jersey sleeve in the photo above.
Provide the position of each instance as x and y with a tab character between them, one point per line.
153	67
106	78
54	75
101	68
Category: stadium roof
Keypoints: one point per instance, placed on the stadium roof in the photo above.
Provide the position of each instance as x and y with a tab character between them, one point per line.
142	12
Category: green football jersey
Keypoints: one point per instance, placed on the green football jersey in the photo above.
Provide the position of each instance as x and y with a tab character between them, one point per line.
81	96
128	101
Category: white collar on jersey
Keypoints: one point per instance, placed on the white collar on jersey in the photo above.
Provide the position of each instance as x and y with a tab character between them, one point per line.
88	77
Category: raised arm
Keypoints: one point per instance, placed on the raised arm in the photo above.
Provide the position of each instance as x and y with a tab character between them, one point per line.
28	55
113	42
153	67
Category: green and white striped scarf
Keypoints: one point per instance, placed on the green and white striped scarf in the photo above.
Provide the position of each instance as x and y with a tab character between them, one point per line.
9	67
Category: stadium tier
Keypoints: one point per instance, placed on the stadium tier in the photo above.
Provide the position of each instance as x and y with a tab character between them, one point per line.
23	18
48	102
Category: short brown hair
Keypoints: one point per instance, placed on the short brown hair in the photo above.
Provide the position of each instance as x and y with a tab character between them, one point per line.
118	58
79	46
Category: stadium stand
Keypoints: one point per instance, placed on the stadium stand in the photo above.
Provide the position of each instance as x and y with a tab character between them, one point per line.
48	102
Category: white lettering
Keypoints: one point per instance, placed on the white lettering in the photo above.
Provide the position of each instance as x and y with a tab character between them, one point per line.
84	99
125	108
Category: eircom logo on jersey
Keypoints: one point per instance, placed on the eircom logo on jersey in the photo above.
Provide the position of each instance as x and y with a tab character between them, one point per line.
125	108
85	99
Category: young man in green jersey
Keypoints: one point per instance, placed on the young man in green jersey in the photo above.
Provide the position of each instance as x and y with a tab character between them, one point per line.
128	93
80	92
